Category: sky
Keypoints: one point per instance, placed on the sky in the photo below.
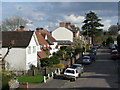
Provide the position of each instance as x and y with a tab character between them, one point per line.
49	14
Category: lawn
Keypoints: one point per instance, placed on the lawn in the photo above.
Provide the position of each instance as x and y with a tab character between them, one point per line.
30	79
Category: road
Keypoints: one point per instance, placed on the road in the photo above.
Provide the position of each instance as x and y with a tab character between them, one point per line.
100	74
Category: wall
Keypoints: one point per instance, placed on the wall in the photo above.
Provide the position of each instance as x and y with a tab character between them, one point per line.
62	33
16	58
31	58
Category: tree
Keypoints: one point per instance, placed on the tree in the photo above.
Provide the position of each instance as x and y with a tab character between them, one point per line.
10	45
109	40
13	23
113	30
118	41
91	24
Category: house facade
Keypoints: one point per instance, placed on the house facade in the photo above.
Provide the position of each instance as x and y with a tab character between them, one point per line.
23	54
66	33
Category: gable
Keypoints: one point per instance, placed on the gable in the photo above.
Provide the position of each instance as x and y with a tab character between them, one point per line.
62	30
62	33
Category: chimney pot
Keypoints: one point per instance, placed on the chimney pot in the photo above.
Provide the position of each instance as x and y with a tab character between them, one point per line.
62	24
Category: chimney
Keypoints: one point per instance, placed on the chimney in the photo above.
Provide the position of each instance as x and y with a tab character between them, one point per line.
21	28
62	24
68	24
72	26
39	29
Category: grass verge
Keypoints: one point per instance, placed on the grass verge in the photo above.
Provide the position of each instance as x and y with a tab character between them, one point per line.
31	79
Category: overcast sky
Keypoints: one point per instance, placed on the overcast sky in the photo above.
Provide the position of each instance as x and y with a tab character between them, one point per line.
49	14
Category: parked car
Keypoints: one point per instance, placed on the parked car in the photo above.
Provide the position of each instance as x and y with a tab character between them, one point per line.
92	56
79	67
86	60
97	46
114	55
93	50
114	50
71	73
111	45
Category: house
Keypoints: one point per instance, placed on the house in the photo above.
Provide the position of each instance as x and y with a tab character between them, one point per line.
52	43
66	33
43	45
23	54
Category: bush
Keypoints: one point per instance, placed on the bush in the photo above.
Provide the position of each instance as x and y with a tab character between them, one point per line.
45	62
6	77
54	60
50	61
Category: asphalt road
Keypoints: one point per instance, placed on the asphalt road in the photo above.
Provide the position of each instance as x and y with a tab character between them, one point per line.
100	74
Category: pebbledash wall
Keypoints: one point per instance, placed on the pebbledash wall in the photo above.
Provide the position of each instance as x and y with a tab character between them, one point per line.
21	59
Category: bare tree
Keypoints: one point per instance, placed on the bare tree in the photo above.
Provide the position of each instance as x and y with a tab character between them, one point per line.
13	23
10	45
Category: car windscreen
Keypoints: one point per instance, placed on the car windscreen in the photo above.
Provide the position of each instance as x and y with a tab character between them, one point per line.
70	71
114	52
86	58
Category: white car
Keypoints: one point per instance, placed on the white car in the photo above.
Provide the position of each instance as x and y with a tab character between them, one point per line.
86	60
71	73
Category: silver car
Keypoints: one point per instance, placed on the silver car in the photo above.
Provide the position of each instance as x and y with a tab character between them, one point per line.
78	67
86	60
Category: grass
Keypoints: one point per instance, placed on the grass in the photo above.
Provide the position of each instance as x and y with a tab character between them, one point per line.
31	79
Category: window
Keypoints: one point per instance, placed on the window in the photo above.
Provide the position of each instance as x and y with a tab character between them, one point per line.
29	50
34	49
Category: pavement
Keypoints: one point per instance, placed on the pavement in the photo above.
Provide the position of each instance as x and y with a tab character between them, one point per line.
100	74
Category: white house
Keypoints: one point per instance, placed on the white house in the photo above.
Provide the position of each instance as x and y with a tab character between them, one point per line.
66	33
23	54
62	34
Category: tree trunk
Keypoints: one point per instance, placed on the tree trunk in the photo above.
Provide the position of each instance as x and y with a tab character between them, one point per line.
3	59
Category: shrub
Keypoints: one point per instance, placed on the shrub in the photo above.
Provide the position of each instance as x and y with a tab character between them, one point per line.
6	76
54	60
45	62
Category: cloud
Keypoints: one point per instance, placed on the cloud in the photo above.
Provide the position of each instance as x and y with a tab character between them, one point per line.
74	19
30	11
61	1
107	24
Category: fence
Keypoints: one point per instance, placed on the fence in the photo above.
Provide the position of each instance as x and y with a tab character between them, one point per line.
35	72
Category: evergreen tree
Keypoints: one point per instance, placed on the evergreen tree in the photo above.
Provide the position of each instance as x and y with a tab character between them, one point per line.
91	24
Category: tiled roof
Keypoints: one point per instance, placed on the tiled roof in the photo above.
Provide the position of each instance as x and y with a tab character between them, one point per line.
40	38
50	38
42	54
21	39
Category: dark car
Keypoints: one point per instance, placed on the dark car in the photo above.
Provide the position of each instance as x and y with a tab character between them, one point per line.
93	57
86	60
97	46
93	50
114	55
